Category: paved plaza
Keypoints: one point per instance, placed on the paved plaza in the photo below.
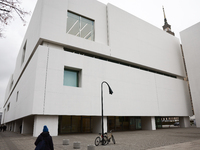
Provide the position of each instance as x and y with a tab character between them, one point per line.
169	138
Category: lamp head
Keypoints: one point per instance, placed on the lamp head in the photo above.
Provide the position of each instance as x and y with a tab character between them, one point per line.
110	90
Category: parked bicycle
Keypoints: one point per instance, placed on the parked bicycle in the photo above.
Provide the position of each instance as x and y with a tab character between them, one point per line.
99	139
109	137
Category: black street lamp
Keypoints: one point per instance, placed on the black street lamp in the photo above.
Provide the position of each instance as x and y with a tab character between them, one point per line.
110	92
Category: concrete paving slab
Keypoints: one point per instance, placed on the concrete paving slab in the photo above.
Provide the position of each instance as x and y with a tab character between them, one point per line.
169	138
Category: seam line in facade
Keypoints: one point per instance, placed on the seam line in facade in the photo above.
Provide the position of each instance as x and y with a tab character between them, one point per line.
108	42
45	88
157	94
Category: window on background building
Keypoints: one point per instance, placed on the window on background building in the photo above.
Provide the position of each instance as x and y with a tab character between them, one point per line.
80	26
71	78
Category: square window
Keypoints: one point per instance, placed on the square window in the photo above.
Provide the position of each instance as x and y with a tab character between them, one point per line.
80	26
71	77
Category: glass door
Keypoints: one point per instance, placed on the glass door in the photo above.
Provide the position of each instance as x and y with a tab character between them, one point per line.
86	124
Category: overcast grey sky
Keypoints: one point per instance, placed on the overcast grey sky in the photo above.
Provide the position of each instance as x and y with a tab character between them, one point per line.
180	14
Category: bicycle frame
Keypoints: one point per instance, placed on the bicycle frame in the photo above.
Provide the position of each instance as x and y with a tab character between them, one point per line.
110	136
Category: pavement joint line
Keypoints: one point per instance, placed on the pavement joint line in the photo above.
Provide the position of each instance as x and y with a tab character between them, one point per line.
8	142
173	138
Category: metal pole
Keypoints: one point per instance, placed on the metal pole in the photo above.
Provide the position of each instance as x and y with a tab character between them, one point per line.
102	129
110	92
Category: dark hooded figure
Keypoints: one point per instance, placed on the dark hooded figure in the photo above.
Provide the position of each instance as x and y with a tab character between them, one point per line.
47	138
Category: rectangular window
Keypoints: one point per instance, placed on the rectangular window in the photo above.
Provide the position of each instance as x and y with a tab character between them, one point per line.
8	107
17	96
80	26
11	83
23	53
71	77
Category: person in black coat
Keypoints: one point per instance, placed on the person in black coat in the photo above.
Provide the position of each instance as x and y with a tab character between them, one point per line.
48	139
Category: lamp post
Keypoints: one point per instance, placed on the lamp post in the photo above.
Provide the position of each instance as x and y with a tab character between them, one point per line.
110	92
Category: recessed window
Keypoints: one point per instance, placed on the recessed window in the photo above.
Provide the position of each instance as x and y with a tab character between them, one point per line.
23	53
71	77
8	107
17	96
11	83
80	26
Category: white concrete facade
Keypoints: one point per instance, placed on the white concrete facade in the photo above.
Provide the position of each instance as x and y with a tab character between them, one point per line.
190	40
50	121
142	64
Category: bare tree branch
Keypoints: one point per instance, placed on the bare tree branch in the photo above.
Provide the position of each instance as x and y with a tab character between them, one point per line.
7	8
4	10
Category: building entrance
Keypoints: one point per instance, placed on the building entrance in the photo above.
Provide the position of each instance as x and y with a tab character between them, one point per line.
74	124
124	123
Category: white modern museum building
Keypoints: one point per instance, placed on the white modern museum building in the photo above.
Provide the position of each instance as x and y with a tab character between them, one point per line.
70	48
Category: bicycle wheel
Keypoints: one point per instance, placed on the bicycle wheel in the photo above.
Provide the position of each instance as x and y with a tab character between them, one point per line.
97	141
105	140
113	139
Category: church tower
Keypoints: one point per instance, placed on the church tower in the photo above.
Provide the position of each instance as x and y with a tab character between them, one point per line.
166	26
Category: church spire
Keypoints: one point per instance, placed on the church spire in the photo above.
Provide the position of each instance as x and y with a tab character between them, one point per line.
166	26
